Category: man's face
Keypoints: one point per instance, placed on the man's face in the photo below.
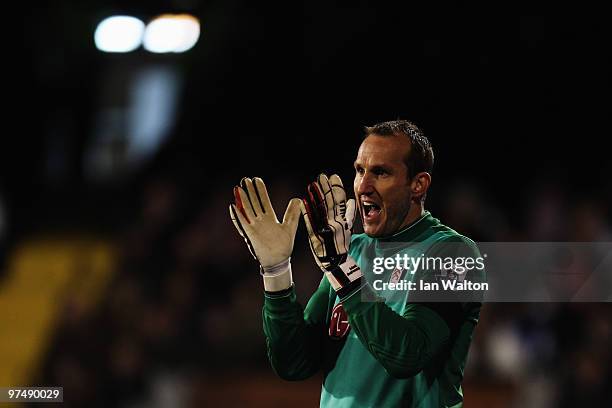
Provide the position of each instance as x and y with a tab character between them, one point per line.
382	187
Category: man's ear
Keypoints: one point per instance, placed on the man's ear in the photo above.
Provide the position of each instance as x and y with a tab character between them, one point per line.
420	184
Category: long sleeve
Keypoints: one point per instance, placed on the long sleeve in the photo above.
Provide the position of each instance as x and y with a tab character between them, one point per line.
406	344
294	336
403	344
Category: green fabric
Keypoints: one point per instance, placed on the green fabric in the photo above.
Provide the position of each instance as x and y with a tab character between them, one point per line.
397	352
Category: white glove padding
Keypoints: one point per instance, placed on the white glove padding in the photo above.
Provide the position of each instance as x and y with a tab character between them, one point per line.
329	218
269	241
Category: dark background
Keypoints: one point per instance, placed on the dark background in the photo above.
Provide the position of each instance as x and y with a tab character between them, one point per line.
516	107
273	89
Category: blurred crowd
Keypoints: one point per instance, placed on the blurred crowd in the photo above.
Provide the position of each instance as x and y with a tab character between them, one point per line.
182	314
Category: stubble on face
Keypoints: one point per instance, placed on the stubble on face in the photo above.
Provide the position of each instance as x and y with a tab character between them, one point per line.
381	185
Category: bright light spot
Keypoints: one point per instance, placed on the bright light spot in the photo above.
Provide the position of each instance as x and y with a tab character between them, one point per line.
171	33
119	34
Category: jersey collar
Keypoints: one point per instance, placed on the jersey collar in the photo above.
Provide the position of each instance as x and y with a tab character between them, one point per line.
411	231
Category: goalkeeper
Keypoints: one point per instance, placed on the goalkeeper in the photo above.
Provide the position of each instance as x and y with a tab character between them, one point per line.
374	352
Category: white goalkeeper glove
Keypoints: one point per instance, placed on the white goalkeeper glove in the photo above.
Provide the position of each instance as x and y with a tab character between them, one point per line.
270	242
329	219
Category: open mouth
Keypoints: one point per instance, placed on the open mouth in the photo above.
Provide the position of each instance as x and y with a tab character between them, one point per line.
371	211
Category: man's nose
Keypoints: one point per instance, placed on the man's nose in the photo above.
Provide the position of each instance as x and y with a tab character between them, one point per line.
364	185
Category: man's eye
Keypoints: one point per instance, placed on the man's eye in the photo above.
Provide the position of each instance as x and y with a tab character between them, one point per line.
359	170
380	172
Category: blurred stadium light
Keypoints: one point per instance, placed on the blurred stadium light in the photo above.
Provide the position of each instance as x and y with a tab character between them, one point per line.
119	34
166	33
171	33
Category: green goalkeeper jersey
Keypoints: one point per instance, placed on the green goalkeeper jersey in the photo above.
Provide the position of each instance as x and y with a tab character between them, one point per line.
378	348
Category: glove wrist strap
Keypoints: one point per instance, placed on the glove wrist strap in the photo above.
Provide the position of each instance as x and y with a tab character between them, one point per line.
344	277
277	277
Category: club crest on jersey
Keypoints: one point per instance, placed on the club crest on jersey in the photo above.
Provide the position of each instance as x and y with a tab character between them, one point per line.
338	325
396	275
452	273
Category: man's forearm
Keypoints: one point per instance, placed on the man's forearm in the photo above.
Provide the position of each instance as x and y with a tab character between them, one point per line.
293	336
